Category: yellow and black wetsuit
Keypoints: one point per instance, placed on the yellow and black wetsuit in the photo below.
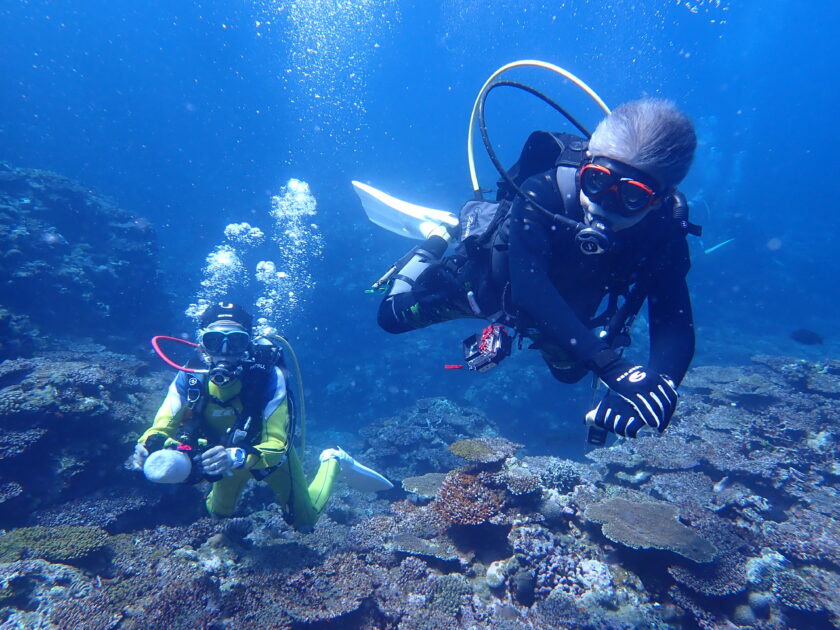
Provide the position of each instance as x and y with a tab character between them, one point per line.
270	449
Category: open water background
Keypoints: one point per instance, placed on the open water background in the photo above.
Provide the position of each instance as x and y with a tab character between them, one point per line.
193	114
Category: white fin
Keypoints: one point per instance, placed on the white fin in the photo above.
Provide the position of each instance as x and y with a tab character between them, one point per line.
358	476
401	217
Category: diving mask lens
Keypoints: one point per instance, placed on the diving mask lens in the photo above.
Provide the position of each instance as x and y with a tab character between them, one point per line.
635	196
230	342
596	180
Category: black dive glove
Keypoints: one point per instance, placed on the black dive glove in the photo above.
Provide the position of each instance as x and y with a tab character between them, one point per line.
615	414
651	397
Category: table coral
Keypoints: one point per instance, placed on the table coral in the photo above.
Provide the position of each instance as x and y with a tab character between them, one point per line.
336	588
649	526
484	450
520	480
424	486
807	535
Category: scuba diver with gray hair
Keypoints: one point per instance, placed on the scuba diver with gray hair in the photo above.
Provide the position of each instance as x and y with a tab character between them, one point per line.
576	224
231	414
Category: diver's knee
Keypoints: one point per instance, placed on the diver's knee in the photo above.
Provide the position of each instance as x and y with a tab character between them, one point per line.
216	512
387	317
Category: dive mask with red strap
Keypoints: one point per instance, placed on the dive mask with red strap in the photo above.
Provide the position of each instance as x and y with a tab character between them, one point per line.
618	187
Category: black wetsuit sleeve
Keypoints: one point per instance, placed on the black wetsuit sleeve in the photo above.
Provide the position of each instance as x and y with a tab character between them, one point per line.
532	290
671	320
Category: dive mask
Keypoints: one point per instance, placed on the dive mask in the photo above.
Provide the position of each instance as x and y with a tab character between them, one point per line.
225	342
617	186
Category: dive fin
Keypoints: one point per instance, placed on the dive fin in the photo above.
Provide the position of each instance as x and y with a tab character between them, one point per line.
401	217
358	476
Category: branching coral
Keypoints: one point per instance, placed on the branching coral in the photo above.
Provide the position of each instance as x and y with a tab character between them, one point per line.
520	480
464	499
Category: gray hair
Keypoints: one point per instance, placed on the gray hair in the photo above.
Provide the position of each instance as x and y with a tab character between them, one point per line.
649	134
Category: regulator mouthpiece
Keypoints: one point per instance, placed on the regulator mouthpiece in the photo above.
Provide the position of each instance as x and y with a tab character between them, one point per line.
224	372
594	239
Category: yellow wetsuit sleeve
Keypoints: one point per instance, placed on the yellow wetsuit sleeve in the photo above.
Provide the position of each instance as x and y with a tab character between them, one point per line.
171	413
274	440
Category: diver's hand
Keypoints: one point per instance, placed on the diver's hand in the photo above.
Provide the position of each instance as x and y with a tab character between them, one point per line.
219	460
652	396
139	457
615	414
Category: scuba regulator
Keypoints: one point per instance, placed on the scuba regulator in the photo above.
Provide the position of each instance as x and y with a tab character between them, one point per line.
222	372
594	238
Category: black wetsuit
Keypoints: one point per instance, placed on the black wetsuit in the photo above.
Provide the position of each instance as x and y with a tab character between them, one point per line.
554	289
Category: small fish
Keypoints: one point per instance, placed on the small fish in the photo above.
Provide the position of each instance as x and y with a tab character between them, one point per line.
806	337
718	246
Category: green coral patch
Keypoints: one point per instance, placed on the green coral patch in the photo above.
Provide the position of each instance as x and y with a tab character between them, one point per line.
63	545
484	450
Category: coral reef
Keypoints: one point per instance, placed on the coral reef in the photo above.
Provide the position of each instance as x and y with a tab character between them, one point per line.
728	520
67	249
416	441
425	486
18	335
67	420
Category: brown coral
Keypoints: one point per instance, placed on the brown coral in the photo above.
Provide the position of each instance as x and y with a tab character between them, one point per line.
464	500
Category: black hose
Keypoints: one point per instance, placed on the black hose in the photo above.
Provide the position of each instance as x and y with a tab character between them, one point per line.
559	218
551	103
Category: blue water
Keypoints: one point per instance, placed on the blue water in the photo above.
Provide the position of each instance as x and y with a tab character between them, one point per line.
193	114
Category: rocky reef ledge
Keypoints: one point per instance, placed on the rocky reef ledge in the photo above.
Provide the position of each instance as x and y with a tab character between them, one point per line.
72	262
729	520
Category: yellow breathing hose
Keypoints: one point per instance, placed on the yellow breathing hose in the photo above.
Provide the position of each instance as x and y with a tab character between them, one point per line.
287	347
517	64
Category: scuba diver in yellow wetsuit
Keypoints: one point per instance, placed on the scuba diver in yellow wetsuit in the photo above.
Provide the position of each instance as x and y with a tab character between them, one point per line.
233	417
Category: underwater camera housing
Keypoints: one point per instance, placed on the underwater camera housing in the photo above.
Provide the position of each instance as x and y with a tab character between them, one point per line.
485	350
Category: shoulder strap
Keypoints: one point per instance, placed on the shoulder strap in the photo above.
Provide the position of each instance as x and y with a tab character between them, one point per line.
256	381
541	151
196	395
566	178
567	163
574	150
